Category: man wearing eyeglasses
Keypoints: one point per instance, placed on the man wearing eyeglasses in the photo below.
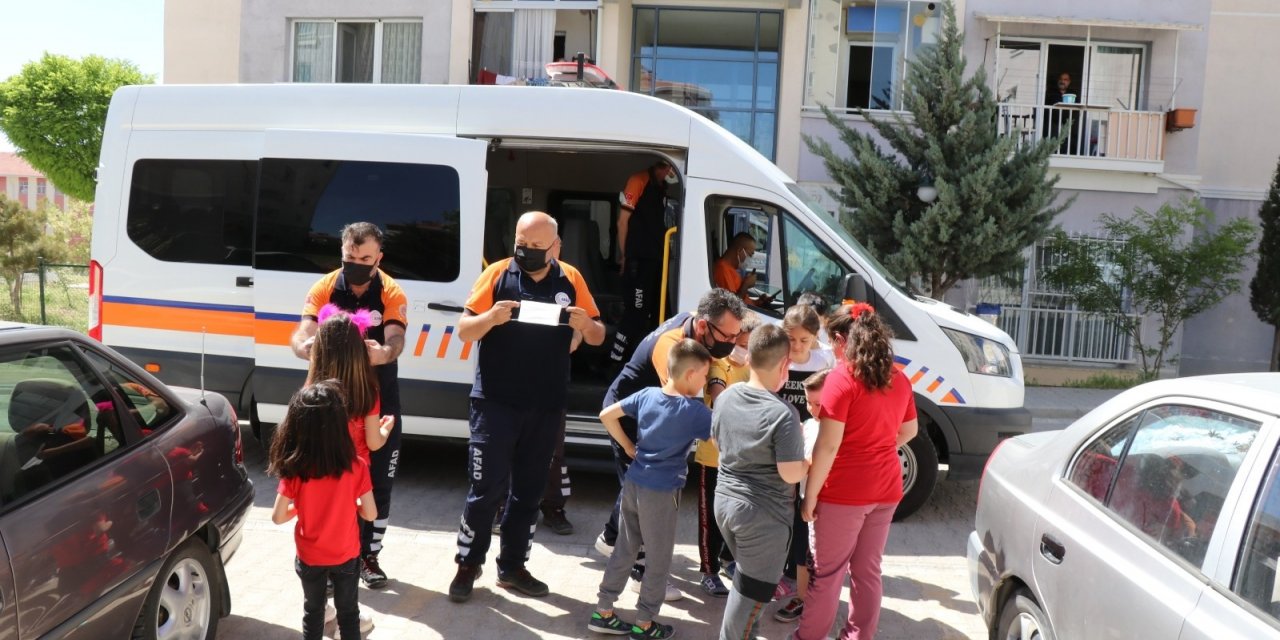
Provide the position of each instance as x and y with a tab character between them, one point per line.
715	325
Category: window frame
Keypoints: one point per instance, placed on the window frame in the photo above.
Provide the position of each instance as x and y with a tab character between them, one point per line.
1224	544
377	45
132	434
1090	47
252	205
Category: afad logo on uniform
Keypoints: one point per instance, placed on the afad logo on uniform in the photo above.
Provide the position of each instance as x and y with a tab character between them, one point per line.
562	298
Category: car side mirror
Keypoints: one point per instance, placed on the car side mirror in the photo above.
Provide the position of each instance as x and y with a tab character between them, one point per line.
854	287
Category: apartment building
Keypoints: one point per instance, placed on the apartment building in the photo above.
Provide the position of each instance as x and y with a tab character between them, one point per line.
20	182
1164	96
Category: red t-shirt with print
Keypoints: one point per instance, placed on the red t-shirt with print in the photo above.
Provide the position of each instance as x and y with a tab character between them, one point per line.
326	533
866	469
356	427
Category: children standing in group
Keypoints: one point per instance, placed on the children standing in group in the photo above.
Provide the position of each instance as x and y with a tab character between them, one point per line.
340	353
801	556
761	460
725	372
323	484
668	419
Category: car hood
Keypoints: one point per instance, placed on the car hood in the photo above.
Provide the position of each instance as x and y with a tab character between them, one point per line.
948	317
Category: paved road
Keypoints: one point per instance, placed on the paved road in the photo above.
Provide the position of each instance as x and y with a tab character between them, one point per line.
926	580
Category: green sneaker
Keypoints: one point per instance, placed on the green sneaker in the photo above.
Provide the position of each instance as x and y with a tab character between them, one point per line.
656	631
612	625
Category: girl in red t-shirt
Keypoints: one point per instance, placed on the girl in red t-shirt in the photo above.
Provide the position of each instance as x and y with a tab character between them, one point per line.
855	482
324	485
340	353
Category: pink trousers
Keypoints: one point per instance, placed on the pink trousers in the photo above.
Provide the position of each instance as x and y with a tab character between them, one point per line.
846	540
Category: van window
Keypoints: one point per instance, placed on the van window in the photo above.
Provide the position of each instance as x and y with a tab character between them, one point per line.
193	210
303	205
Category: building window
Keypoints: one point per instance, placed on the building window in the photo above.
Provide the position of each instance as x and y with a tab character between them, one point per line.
23	186
722	64
859	50
379	51
41	189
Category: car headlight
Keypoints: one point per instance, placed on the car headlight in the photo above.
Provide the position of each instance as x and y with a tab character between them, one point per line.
981	355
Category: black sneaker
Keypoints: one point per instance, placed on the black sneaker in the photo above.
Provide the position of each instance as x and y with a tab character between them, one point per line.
612	625
371	574
557	522
656	631
714	587
460	588
522	581
790	612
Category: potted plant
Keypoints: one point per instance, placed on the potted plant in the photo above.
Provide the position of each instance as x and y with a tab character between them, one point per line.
1179	119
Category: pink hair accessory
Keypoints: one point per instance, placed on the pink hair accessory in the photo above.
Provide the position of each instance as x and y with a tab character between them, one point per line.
362	318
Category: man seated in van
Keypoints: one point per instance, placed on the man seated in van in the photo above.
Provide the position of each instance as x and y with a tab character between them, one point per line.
642	230
360	284
730	272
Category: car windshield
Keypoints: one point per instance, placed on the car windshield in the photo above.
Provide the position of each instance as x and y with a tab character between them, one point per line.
820	212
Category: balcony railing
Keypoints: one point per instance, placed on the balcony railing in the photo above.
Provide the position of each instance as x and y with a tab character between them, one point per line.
1068	334
1088	131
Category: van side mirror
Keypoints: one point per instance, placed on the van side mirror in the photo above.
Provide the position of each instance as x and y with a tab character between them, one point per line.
854	287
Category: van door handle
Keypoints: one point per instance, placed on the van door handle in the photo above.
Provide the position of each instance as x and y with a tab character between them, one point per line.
244	281
440	306
1051	549
148	505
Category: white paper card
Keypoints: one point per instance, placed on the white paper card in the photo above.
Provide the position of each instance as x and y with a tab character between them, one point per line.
539	313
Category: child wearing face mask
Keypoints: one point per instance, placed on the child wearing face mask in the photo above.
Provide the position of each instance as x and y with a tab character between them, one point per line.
761	460
706	464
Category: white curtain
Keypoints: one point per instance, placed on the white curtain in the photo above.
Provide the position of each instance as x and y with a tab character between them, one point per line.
401	52
313	51
534	42
495	42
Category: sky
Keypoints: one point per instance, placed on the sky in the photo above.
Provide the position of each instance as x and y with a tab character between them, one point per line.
128	29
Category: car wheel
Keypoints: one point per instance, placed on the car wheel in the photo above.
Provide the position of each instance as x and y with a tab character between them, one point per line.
183	603
919	461
1021	618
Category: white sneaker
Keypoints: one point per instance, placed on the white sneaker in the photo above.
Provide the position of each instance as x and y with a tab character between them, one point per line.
331	618
671	595
603	548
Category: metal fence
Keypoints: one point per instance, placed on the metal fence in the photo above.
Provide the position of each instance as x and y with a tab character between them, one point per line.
1068	334
51	294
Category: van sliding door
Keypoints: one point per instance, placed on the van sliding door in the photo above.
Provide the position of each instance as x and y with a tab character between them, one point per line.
427	193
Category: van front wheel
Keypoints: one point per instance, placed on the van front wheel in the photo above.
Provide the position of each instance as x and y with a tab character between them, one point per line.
919	461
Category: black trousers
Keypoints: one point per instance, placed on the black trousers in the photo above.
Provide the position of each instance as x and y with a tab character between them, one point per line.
382	473
712	550
641	288
345	599
556	493
509	452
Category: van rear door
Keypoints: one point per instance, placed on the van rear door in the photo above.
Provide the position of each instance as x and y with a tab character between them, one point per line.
427	193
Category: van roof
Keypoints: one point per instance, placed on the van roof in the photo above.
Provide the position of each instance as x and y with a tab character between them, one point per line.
561	113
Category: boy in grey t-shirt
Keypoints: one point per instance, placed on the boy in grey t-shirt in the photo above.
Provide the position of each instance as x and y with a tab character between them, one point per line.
761	460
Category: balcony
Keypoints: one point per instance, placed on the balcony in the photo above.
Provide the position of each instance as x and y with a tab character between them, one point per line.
1093	137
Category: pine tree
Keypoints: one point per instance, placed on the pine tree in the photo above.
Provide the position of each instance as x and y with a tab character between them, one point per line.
994	196
1264	290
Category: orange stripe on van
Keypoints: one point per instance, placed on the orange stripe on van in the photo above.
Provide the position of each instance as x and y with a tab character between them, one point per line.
422	340
273	332
228	323
466	350
919	374
933	386
444	342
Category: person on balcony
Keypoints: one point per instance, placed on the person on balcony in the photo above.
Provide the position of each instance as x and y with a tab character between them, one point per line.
1063	121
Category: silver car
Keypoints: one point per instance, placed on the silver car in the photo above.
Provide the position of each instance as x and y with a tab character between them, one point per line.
1157	515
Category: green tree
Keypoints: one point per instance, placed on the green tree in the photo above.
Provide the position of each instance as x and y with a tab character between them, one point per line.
71	230
54	110
1264	290
1171	264
994	195
23	241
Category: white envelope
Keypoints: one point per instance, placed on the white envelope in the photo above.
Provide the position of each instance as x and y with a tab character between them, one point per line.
539	313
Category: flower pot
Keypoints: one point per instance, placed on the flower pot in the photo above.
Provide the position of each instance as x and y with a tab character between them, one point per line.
1179	119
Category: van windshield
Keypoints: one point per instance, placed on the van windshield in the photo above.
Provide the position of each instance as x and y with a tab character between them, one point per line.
821	213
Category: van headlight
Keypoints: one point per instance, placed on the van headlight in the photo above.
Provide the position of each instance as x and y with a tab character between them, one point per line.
981	355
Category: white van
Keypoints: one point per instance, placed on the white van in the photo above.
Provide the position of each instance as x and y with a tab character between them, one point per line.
218	207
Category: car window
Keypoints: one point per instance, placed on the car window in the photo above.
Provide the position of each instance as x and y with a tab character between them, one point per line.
149	409
53	420
1257	573
1095	467
1174	474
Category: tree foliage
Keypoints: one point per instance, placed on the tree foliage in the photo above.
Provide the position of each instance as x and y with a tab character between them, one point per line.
1264	289
1172	264
24	239
994	195
54	111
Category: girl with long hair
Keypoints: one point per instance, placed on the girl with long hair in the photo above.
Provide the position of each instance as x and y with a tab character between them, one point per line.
855	483
324	485
340	353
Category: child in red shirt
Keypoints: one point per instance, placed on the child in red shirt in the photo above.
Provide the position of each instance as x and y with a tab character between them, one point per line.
322	483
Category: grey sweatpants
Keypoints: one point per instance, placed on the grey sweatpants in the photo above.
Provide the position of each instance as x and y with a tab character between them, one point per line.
647	519
756	537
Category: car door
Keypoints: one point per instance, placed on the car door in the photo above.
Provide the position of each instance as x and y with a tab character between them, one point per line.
81	511
1124	540
427	193
8	597
1243	596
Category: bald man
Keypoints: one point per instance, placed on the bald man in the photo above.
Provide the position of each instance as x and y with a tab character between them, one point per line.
523	311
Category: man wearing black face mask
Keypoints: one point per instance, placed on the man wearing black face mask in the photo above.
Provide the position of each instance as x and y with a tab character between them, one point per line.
523	313
715	325
359	284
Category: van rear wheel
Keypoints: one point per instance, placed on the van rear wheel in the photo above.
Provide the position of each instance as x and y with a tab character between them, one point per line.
919	461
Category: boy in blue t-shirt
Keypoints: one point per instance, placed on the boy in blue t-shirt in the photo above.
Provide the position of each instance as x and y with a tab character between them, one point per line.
669	419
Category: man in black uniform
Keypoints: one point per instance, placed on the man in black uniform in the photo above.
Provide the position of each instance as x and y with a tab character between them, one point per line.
642	227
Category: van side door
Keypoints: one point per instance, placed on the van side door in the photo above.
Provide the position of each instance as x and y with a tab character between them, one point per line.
427	193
